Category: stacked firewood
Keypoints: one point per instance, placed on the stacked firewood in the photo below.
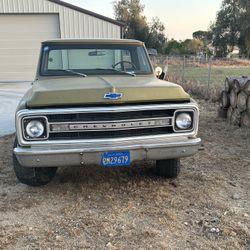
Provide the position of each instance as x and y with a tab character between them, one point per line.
235	101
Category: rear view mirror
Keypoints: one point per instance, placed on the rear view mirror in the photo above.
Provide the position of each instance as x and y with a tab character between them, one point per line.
97	53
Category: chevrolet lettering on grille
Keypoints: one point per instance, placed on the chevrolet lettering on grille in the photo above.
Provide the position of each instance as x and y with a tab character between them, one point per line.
116	125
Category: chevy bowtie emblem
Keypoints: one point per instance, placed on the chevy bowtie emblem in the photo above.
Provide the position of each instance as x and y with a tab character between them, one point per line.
113	96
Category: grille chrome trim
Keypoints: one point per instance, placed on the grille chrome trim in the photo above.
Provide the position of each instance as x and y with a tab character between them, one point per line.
114	109
111	126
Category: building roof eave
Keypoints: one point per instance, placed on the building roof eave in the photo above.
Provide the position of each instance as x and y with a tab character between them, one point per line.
87	12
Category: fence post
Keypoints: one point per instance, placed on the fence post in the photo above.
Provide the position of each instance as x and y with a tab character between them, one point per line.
183	69
166	77
209	73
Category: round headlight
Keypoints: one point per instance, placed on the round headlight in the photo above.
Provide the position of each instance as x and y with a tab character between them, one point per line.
183	121
35	129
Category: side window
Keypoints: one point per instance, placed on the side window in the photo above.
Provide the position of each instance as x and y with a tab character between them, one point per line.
143	63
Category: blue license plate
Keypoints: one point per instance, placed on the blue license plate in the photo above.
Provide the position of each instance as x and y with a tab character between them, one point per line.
116	159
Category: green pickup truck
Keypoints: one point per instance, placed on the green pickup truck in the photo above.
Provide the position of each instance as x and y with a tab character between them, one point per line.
98	101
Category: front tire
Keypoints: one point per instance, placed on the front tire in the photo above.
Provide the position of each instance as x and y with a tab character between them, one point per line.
33	176
169	168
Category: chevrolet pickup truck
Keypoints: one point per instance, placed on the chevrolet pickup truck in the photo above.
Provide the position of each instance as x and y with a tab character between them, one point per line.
98	101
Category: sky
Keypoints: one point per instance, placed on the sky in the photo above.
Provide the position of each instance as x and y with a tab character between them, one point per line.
180	17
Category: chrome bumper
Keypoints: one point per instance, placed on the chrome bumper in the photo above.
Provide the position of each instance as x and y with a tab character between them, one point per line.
77	154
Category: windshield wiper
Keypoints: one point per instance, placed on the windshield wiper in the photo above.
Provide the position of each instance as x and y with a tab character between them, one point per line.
75	72
117	70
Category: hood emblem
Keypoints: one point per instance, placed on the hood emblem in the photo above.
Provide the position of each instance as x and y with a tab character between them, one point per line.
113	96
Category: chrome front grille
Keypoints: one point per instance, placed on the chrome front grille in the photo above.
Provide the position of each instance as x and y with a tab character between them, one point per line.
93	116
114	125
129	122
109	134
110	125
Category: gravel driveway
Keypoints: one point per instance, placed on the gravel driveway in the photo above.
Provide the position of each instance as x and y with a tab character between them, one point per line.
207	207
10	95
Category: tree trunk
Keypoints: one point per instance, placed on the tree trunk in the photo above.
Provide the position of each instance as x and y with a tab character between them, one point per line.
245	120
225	100
234	101
229	114
222	113
233	98
215	95
235	120
229	84
239	83
242	101
248	105
247	87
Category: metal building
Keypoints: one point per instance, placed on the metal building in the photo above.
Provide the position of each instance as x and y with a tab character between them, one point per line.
25	23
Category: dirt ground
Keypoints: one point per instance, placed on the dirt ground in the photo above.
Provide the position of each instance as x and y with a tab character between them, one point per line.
207	207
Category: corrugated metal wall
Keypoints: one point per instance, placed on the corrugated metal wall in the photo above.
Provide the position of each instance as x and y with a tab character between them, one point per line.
73	24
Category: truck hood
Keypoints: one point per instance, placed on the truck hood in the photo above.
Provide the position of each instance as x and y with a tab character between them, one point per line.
63	91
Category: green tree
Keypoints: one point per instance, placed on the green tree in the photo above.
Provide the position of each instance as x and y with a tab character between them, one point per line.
226	29
192	46
156	36
186	47
232	27
244	41
131	13
173	47
205	36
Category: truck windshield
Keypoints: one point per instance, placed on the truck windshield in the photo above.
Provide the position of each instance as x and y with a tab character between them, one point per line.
94	59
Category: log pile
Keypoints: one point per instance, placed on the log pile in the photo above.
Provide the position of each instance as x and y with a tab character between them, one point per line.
235	101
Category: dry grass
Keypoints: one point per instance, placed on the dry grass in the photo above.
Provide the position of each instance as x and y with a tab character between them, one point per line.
195	88
207	207
194	62
231	62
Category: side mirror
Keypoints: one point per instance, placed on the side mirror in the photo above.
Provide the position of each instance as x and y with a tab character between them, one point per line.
158	71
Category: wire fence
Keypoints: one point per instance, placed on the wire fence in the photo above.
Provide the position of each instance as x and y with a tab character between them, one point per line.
202	70
201	75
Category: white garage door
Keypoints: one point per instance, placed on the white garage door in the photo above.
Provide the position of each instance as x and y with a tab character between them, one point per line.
20	40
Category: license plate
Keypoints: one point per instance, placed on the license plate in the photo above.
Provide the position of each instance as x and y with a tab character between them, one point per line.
116	159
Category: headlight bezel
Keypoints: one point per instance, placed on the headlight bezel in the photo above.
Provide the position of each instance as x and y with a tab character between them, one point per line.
192	115
27	119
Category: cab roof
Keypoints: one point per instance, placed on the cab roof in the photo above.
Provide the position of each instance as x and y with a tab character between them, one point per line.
93	41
